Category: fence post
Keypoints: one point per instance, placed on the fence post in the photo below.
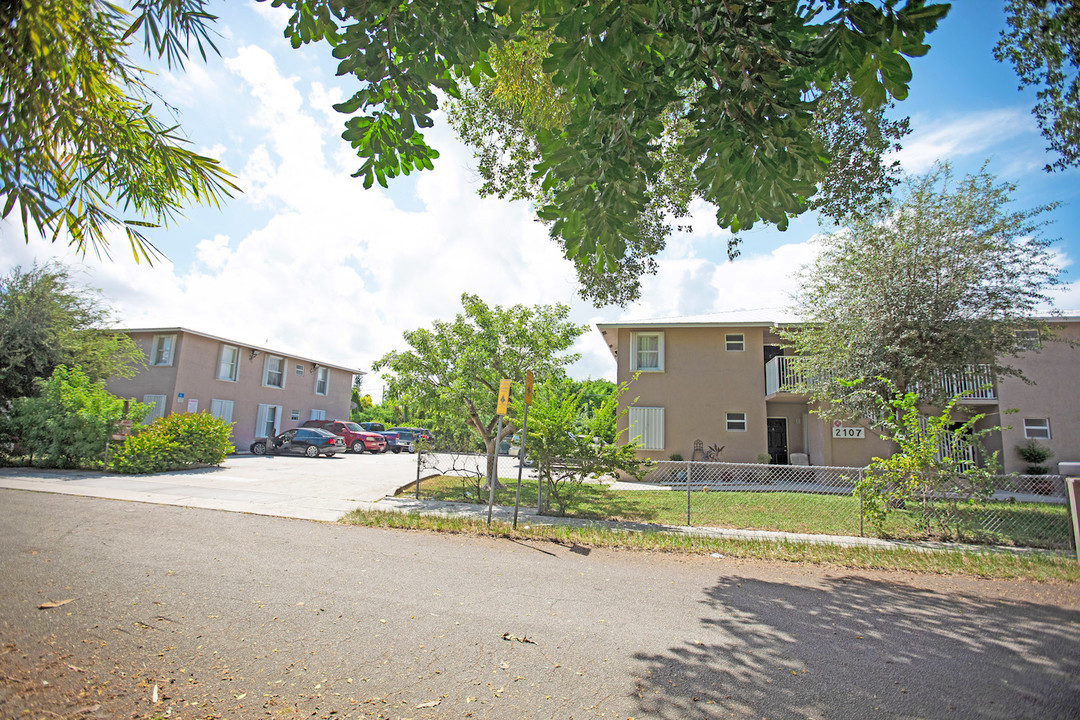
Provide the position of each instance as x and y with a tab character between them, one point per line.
689	472
419	454
860	503
1072	492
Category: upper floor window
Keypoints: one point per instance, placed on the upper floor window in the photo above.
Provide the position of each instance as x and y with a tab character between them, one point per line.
274	372
735	342
322	380
1037	428
299	370
163	349
229	364
647	351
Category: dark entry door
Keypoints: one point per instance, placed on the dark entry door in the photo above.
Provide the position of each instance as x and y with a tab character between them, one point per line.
777	438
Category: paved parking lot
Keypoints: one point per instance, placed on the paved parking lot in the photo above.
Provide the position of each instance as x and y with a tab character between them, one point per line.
309	488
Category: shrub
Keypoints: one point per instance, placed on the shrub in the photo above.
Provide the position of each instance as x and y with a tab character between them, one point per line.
69	422
1035	454
175	442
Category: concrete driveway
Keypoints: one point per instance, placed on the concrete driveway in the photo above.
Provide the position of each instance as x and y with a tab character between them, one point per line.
307	488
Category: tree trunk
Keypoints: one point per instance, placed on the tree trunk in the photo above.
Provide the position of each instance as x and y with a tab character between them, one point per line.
492	445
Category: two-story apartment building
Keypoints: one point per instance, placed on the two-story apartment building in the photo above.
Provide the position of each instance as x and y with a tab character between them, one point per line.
726	382
262	391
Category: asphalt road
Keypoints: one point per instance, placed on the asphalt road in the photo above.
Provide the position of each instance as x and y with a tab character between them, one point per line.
244	616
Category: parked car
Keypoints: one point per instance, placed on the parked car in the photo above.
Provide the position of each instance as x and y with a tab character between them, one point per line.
357	439
391	437
300	441
419	434
406	440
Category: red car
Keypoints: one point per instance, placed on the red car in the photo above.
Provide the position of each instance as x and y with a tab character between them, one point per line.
357	439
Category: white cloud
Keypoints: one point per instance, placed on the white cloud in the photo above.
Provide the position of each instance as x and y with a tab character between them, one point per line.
213	253
760	283
971	134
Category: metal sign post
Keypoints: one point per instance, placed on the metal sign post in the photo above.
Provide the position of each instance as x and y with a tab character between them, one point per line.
493	472
521	450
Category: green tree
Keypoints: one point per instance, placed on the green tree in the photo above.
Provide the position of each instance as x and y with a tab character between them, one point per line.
566	440
743	79
69	422
47	319
946	275
595	396
1042	43
453	370
81	151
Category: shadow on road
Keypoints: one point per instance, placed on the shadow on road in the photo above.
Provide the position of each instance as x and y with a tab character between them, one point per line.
857	647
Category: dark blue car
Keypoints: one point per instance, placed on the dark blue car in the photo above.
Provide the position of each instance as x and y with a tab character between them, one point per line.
300	441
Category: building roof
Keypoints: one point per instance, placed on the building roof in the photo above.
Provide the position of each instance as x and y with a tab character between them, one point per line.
240	343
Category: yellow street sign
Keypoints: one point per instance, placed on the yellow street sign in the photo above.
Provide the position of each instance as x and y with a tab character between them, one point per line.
504	397
528	387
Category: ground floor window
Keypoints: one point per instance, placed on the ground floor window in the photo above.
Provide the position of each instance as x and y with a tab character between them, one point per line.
647	427
157	407
318	414
268	422
736	422
222	409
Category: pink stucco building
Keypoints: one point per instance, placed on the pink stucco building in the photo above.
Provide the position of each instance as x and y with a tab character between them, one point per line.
722	382
260	390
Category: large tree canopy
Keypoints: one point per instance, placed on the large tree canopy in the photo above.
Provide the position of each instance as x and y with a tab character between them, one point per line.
47	319
741	79
947	275
81	151
502	117
1042	43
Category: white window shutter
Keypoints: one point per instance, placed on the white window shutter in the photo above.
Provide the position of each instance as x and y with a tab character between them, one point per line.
647	427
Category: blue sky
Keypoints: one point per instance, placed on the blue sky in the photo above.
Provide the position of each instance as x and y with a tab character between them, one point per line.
344	271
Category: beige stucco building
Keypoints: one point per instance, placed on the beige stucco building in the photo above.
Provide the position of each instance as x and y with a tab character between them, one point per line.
722	382
260	390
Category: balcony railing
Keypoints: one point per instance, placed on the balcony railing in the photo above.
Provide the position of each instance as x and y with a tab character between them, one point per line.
781	375
975	382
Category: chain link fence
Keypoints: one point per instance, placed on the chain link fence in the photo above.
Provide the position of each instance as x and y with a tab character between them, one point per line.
1023	510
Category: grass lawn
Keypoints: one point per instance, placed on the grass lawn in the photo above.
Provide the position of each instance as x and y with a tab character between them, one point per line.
1042	567
1024	524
